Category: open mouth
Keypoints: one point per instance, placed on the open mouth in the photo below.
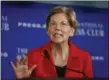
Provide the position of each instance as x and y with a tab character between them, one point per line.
57	35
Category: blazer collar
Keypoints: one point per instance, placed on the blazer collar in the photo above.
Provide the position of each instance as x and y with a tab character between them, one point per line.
73	52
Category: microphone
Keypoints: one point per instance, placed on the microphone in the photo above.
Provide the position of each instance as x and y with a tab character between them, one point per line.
77	72
46	54
48	57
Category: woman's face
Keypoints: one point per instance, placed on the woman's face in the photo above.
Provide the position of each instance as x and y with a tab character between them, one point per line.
59	28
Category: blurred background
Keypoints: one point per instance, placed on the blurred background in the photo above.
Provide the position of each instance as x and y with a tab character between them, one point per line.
96	4
23	28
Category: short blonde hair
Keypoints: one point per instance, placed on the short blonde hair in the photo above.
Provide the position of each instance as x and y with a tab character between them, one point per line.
70	13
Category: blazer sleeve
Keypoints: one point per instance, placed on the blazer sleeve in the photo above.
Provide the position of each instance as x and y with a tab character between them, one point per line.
30	59
88	66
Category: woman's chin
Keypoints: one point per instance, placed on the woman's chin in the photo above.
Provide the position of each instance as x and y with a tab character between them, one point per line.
57	41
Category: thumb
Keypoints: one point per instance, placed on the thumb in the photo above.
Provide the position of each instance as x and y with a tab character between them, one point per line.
32	68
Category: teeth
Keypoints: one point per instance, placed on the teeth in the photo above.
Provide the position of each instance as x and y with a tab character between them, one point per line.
57	35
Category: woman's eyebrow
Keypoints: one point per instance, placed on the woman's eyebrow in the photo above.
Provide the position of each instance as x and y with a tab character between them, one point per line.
52	21
61	21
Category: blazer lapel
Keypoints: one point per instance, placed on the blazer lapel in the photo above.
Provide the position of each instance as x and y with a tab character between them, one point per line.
74	60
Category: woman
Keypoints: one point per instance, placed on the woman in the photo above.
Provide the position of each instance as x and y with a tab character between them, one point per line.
59	57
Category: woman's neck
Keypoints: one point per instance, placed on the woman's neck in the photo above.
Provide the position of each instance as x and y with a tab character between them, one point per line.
60	53
60	48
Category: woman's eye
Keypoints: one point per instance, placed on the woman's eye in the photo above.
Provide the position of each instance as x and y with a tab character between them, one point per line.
52	24
64	23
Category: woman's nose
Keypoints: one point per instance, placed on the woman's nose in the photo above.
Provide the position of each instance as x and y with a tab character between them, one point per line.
58	27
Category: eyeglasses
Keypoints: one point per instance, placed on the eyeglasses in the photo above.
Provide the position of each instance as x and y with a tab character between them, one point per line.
62	24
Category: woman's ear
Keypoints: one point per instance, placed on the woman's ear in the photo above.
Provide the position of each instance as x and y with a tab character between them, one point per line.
72	31
47	31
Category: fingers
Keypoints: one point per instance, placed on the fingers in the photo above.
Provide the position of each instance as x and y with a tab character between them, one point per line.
13	66
17	61
23	60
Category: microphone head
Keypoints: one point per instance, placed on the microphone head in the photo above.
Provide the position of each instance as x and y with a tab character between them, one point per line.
46	53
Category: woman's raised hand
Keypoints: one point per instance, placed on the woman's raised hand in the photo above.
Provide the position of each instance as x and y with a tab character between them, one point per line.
21	69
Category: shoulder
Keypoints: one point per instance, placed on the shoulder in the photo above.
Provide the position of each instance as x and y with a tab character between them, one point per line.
37	52
77	51
34	55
